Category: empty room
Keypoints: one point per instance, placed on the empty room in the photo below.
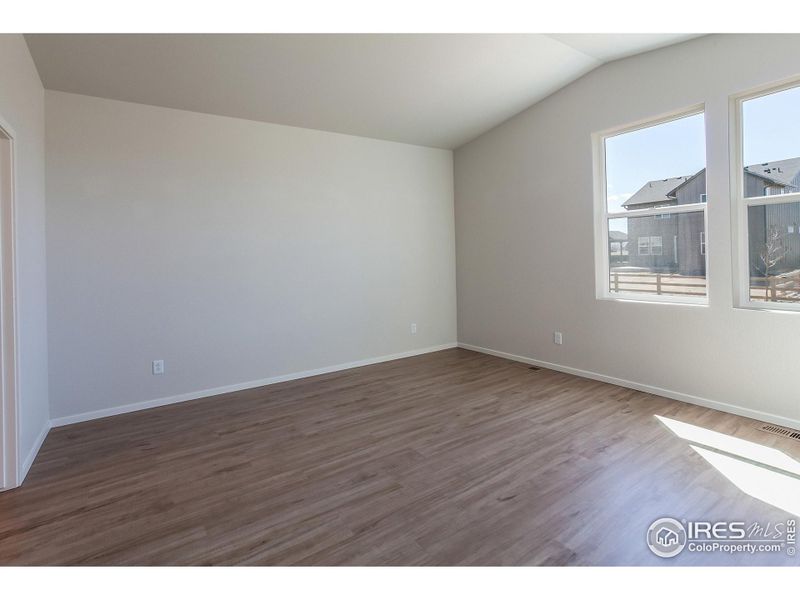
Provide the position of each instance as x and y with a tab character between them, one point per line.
399	299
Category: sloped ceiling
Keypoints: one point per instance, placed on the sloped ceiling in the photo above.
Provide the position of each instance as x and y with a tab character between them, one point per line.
438	90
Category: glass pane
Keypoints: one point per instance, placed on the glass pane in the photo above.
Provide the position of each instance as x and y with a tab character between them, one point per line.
771	144
660	165
651	255
774	249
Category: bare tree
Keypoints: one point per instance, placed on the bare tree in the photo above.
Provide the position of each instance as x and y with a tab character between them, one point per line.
773	251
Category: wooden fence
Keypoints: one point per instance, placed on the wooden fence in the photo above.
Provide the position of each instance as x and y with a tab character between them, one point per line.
657	283
776	288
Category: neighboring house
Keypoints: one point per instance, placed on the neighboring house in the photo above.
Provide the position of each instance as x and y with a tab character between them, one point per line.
618	247
769	179
676	243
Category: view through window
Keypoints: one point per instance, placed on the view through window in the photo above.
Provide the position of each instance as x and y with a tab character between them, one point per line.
771	158
655	209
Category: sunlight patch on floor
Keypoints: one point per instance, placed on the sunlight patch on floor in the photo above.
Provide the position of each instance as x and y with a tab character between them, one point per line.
760	471
764	484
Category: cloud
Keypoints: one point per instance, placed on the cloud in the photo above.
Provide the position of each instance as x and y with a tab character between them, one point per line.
615	201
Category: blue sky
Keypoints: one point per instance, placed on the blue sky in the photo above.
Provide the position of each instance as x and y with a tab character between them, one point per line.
771	127
659	152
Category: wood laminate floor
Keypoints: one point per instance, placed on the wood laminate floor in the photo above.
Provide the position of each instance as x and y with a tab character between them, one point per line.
444	459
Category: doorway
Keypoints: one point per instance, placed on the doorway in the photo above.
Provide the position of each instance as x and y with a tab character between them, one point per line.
9	417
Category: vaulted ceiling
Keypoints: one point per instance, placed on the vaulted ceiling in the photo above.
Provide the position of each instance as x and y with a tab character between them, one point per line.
436	90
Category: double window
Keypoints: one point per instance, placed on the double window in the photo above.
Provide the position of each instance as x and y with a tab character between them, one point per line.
651	191
654	189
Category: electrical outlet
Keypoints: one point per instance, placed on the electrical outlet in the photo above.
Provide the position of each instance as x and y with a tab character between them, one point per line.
413	329
558	338
158	367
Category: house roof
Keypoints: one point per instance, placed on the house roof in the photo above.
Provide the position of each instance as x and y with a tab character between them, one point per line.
617	236
782	172
657	191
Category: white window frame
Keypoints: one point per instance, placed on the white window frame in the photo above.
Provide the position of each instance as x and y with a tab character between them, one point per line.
646	245
602	215
741	274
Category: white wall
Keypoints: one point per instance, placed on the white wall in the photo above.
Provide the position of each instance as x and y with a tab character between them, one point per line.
233	250
22	107
524	224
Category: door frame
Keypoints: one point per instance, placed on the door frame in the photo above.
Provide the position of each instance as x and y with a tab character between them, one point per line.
9	364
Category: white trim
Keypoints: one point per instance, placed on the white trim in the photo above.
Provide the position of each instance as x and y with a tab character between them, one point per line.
769	88
660	211
740	259
226	389
665	299
9	342
37	445
791	198
646	122
650	389
602	214
739	214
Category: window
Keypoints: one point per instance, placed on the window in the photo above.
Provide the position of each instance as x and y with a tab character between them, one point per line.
650	245
655	245
652	188
767	194
703	198
773	190
703	243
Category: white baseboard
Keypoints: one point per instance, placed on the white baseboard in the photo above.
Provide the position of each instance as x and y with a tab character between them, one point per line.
650	389
226	389
37	445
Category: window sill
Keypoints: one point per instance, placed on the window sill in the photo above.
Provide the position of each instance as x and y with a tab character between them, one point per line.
661	300
772	307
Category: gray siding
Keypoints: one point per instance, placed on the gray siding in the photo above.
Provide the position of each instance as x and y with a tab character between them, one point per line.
786	218
648	227
681	235
691	260
691	192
